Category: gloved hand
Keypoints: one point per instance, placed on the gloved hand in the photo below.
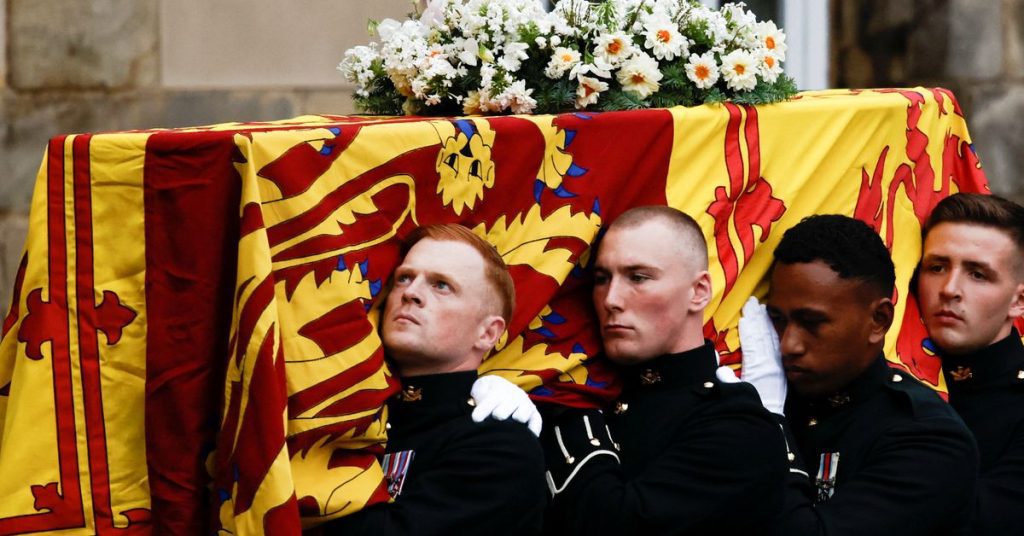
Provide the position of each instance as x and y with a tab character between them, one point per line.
762	360
500	399
726	375
578	436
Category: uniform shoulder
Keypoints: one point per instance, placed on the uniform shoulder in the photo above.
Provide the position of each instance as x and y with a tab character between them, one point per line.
922	401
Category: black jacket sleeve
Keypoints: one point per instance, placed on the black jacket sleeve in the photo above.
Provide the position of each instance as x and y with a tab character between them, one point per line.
915	480
997	507
723	463
482	483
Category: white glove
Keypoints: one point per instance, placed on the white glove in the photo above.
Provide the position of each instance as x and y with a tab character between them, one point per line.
726	375
500	399
762	360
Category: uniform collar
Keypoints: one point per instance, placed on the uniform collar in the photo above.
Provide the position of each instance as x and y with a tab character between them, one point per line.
864	387
427	401
434	389
1000	362
684	368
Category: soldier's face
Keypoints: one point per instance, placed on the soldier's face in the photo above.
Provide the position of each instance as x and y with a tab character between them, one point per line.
969	286
439	308
642	285
829	330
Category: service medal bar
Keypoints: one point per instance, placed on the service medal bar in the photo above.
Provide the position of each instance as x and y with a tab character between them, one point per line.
396	465
826	480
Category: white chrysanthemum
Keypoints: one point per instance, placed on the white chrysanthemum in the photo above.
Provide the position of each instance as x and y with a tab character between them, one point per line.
561	61
702	70
664	39
772	39
639	74
770	67
739	69
588	91
613	48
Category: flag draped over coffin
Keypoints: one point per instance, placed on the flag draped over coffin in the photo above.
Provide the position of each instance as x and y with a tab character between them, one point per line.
192	346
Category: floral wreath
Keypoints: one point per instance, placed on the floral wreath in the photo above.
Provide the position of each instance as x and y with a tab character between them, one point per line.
513	56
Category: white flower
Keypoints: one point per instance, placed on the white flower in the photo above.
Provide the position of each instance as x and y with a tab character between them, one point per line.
433	100
588	91
640	75
517	98
555	40
514	55
467	50
387	28
664	39
702	70
598	68
562	60
739	69
613	48
772	39
433	14
770	67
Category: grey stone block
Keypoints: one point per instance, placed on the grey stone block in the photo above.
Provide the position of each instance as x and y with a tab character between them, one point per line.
60	44
975	39
13	229
3	43
996	131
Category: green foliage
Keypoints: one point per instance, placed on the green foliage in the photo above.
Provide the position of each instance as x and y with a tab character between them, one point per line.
765	93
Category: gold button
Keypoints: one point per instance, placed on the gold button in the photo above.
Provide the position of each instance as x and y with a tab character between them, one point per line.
812	422
621	407
708	385
1020	374
897	378
791	456
471	402
596	442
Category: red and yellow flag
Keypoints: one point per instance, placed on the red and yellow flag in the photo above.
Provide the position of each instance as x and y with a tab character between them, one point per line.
192	345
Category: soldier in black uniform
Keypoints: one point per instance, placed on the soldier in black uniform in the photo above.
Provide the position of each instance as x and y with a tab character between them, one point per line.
882	453
970	287
450	302
682	452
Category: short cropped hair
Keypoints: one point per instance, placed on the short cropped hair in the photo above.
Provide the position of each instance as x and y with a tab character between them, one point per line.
495	270
980	209
686	227
849	246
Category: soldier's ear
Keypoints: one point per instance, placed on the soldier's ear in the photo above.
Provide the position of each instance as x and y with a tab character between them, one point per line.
490	330
1017	305
882	313
701	291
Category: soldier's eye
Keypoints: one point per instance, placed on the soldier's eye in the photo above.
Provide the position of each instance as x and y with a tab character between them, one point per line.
474	168
450	161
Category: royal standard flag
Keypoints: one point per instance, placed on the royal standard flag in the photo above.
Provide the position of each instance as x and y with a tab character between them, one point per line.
192	347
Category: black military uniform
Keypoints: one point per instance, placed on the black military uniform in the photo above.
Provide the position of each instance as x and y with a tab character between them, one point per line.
987	389
697	456
884	456
463	477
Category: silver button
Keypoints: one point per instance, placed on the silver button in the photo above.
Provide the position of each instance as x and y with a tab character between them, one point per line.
708	385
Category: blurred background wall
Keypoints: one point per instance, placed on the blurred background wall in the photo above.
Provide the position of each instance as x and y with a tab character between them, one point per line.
70	66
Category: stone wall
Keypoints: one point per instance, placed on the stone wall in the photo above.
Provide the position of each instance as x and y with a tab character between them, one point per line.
99	65
973	47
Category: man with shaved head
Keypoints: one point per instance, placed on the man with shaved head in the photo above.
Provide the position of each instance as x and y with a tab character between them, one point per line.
681	451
